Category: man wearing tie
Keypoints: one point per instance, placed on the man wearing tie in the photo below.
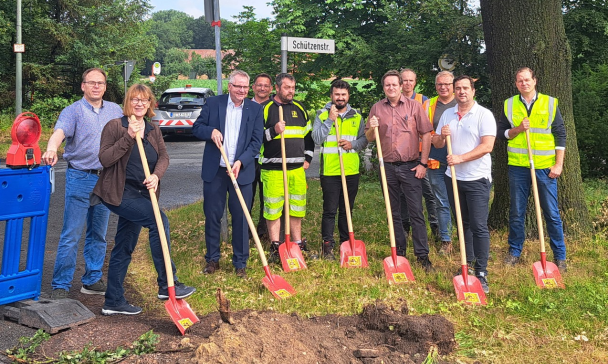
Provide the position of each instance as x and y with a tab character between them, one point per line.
235	123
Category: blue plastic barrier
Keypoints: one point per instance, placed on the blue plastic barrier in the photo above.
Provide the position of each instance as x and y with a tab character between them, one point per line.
23	194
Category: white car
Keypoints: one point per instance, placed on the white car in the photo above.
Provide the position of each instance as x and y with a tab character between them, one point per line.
178	108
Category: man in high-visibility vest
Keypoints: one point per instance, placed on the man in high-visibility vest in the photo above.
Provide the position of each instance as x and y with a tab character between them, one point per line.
352	139
437	157
262	87
538	113
299	150
408	90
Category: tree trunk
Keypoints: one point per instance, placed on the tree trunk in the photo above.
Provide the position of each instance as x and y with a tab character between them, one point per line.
530	33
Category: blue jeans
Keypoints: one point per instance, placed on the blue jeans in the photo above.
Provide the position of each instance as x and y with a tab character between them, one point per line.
442	202
474	197
78	212
134	214
520	182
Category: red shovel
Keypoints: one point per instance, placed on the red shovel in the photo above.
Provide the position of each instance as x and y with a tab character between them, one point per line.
396	268
290	253
179	310
275	284
546	274
352	252
468	288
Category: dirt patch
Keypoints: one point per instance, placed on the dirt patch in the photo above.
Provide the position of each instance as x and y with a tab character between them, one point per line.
380	334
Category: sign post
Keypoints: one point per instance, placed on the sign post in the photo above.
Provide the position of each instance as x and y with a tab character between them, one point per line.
304	45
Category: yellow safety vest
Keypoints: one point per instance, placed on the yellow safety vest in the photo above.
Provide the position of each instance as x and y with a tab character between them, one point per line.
542	140
349	130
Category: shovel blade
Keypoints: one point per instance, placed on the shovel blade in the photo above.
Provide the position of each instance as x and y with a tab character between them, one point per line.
291	257
469	291
550	277
397	270
353	255
181	314
278	286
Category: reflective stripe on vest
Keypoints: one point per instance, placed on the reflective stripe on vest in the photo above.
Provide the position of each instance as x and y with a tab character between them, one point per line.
349	130
542	140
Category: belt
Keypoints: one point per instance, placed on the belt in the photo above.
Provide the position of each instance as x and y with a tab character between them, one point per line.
90	171
402	163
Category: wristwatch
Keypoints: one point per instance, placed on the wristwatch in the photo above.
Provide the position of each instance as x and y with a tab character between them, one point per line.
423	164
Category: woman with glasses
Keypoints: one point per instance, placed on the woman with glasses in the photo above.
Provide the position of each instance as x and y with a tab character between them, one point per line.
124	189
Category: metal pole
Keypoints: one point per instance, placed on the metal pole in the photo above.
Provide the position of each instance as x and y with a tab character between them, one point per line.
218	67
124	74
284	53
218	47
19	65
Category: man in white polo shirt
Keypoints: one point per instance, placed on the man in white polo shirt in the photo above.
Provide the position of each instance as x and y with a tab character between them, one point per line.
473	130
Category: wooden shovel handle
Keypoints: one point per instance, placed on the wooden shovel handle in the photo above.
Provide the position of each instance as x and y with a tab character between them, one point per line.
157	216
463	252
349	220
539	219
254	232
387	202
286	214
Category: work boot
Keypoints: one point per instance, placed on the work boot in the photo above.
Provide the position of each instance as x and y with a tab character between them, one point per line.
274	252
425	263
511	260
561	265
328	250
483	279
304	248
446	248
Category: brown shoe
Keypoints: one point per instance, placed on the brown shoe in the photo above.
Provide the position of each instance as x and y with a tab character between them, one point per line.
211	267
241	273
446	248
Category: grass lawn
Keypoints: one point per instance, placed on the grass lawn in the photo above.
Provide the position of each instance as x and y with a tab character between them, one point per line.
520	324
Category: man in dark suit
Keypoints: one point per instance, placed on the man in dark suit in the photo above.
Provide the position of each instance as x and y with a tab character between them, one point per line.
235	123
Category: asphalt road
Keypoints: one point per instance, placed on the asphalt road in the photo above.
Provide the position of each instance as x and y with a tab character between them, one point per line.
181	185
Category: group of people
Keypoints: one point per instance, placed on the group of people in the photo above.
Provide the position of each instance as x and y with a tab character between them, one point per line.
412	129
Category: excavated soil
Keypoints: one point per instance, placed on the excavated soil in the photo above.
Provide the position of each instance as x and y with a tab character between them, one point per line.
380	334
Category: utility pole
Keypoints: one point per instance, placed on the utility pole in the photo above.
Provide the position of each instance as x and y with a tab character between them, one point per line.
18	64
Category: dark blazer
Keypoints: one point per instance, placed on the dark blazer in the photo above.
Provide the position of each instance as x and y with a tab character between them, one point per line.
213	116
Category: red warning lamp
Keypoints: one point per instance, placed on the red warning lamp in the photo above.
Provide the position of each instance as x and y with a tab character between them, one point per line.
24	152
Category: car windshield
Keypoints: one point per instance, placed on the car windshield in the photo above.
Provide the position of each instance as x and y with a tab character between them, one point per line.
182	98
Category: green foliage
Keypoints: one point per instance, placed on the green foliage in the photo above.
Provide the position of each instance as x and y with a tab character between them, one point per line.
48	109
27	345
203	66
590	104
175	62
586	23
253	43
173	29
212	84
145	344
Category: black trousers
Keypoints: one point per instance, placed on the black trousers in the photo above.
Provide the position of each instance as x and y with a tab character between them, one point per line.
333	198
474	199
402	180
257	182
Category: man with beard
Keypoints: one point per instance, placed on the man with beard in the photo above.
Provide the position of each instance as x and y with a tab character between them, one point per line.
352	140
299	149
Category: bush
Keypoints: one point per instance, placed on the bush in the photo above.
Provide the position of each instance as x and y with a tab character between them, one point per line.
590	104
48	110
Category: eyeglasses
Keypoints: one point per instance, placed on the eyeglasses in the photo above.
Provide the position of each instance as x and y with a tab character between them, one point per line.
443	84
137	101
240	87
93	83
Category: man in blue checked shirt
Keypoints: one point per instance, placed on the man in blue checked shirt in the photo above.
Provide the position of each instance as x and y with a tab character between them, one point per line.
80	126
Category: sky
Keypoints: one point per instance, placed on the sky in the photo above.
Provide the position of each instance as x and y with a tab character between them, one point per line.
228	8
